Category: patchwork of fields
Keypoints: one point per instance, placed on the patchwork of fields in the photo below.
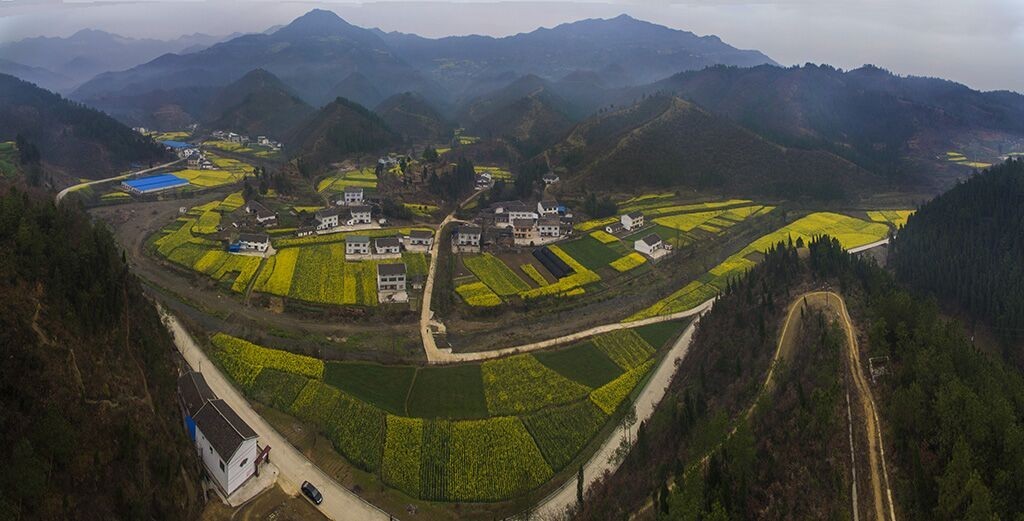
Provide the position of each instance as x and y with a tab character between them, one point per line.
850	231
597	254
469	432
365	178
311	269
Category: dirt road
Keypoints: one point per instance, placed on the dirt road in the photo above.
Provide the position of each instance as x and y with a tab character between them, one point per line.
339	503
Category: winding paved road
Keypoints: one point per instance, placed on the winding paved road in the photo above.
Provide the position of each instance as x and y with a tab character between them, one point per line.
339	503
66	191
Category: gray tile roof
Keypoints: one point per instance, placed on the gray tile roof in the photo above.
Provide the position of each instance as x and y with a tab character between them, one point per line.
223	427
421	234
386	242
194	392
386	270
651	239
253	237
357	239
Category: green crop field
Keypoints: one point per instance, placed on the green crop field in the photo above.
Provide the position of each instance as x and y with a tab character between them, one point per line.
461	433
562	432
181	246
659	334
850	231
381	385
591	252
495	274
583	363
448	392
320	274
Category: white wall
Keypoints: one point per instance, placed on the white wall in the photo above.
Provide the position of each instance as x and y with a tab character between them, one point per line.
233	474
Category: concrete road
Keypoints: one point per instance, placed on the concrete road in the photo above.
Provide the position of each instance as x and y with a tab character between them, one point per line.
66	191
339	503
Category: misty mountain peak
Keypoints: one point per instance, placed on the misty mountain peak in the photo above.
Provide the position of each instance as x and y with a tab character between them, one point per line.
317	22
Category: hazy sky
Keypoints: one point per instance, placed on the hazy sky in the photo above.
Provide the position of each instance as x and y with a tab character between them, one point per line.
976	42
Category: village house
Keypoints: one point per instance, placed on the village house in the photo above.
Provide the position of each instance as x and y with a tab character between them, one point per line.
195	158
468	235
632	221
357	245
391	283
387	246
227	445
359	215
326	219
545	208
305	231
353	195
549	227
259	242
651	245
525	232
505	213
550	178
614	228
420	238
193	393
263	214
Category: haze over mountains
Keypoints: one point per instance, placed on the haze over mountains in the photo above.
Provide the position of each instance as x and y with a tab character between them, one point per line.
60	64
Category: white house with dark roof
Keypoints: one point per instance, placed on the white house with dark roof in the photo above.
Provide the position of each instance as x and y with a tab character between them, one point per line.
353	195
550	178
326	219
263	214
506	212
632	221
652	246
226	444
193	393
359	215
467	237
419	240
549	227
391	283
357	245
387	246
259	242
545	208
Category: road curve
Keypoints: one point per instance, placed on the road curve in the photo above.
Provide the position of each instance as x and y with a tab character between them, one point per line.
339	503
66	191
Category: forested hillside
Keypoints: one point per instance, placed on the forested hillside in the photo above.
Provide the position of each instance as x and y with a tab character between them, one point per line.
967	246
257	104
341	127
664	141
953	416
89	422
70	136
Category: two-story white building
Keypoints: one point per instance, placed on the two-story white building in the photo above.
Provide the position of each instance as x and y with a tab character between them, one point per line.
353	195
262	214
419	239
546	208
632	221
387	246
226	444
652	246
505	213
549	227
357	245
359	215
467	235
327	219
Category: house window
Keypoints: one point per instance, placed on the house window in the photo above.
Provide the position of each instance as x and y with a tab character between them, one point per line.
222	465
242	464
211	449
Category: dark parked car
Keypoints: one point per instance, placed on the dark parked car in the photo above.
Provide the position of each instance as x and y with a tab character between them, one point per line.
312	493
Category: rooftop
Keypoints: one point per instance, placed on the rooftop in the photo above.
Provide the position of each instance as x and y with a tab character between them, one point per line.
155	182
194	391
384	242
651	239
223	428
357	239
386	270
253	237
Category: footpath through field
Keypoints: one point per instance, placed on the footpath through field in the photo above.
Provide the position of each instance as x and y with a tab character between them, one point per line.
66	191
339	503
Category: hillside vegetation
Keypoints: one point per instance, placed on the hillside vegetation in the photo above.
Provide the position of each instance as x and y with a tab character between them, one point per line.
666	142
257	104
341	127
69	136
967	246
414	117
88	414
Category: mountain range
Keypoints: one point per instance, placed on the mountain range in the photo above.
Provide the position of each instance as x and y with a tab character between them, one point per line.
321	57
64	63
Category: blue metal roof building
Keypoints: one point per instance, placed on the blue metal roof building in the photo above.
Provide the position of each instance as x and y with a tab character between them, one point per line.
153	184
176	145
